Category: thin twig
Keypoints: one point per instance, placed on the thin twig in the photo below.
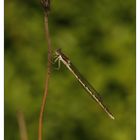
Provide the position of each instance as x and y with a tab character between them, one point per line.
46	6
22	126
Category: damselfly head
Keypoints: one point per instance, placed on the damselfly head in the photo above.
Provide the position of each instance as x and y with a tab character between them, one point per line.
58	52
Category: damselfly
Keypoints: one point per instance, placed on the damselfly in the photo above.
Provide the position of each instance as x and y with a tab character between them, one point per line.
85	84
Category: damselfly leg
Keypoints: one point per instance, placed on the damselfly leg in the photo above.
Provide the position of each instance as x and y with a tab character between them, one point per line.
57	59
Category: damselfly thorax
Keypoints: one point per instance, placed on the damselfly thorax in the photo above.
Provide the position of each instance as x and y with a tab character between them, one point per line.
85	84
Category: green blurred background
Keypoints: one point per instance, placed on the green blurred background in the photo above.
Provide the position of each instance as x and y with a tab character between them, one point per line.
99	37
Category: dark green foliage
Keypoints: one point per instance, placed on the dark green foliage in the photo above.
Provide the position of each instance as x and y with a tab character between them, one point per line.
99	38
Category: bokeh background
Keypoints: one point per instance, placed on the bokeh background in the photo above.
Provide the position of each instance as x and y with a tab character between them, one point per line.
99	38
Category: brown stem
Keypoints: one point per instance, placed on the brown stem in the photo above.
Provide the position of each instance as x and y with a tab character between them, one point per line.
22	125
44	3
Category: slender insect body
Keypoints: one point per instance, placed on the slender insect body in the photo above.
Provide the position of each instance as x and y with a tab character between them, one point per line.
92	92
93	96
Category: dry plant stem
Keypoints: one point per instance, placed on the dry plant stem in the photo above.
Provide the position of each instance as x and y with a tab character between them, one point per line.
47	80
22	126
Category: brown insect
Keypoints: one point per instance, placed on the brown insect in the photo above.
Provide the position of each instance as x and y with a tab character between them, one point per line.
85	84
